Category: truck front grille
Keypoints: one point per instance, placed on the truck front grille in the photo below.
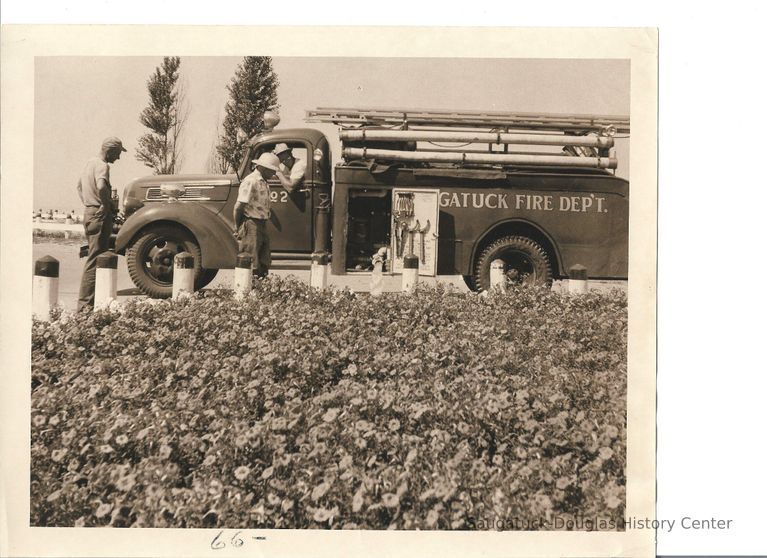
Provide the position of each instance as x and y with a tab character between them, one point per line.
191	193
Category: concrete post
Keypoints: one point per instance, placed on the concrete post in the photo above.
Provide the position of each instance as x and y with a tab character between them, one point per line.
106	280
497	275
376	279
183	275
243	275
320	270
45	287
409	273
577	282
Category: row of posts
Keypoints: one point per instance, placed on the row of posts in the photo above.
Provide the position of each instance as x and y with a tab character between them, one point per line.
46	280
577	278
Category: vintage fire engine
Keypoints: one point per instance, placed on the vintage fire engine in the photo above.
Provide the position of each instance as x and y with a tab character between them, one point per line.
457	190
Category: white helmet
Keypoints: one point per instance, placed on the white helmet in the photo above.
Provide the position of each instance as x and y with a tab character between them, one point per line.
268	161
280	148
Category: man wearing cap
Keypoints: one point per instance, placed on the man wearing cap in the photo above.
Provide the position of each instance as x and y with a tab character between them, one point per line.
95	192
251	213
292	170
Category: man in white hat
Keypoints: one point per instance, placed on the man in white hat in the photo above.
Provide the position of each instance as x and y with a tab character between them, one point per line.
95	192
292	170
251	213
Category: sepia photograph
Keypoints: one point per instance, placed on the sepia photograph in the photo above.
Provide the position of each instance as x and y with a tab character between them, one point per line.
276	294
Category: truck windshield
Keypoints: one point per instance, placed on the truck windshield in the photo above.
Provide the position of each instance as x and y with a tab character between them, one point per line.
299	150
245	165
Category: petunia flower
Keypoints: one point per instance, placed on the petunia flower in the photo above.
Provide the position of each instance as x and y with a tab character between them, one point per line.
58	455
125	483
241	472
390	500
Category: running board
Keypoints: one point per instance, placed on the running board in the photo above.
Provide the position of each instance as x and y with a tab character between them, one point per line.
291	261
291	265
291	256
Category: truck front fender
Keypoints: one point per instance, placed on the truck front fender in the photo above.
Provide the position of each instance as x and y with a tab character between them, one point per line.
217	243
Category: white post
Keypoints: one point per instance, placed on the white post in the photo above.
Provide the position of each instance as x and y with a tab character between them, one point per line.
376	279
45	288
409	273
497	275
577	282
106	280
243	275
183	275
319	273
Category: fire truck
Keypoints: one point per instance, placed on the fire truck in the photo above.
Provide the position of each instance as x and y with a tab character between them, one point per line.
456	189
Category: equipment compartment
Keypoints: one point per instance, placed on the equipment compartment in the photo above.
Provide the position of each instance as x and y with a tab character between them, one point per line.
369	219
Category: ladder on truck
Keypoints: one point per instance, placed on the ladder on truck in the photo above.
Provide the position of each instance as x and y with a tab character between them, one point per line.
585	140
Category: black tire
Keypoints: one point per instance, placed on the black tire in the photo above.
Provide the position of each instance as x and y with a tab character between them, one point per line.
526	262
469	280
206	277
150	260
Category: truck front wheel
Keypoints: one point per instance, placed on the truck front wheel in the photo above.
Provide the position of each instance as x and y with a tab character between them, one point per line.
150	260
525	262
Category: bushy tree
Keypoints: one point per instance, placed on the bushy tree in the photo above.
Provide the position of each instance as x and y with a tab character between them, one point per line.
252	91
159	149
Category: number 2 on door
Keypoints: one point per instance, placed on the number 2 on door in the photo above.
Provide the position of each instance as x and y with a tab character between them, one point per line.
281	197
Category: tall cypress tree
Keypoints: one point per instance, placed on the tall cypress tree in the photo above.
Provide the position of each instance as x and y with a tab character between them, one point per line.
252	91
164	116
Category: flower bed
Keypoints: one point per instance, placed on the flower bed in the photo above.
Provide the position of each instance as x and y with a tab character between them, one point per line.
304	409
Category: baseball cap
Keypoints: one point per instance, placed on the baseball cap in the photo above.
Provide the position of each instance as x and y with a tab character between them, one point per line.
112	142
280	148
268	161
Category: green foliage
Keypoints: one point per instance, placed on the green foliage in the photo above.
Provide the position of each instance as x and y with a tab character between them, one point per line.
159	149
252	91
304	409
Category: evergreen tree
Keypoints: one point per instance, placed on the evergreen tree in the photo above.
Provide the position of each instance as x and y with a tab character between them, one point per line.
164	116
252	91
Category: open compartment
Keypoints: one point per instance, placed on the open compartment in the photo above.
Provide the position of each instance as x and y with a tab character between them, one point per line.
368	226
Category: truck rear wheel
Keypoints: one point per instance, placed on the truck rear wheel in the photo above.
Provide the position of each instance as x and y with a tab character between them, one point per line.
150	260
526	263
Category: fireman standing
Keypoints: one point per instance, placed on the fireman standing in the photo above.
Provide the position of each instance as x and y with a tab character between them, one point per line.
252	211
95	192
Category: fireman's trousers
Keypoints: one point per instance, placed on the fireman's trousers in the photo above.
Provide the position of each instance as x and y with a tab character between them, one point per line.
98	229
254	240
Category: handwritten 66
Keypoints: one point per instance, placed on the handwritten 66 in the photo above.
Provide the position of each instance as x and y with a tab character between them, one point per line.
237	540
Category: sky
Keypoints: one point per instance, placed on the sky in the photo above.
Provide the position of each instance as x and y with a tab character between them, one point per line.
79	101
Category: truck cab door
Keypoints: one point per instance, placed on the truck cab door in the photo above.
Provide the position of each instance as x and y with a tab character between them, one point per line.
290	226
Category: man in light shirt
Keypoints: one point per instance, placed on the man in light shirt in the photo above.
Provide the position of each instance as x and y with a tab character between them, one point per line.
292	170
95	192
252	211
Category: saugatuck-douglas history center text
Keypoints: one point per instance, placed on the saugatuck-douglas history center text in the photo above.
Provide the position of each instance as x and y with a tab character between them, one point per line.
583	523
